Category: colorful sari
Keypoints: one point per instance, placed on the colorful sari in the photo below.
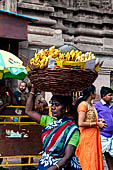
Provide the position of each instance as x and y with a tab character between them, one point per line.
55	138
89	147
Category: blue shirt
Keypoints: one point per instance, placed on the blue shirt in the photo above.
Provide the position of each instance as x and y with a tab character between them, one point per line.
105	111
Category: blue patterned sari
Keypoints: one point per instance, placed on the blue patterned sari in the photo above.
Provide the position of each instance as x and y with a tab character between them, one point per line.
55	138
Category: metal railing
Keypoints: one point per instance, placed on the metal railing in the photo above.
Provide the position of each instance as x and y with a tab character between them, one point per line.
9	163
7	158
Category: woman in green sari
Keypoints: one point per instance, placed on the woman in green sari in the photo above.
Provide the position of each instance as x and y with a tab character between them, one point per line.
60	135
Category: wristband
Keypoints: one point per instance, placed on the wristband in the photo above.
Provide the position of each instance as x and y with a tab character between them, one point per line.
96	123
32	93
57	166
90	124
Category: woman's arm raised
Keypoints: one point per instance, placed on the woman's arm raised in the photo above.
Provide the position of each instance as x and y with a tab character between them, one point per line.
29	106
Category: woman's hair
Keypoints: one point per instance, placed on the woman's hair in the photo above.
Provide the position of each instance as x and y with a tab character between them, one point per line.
105	90
86	93
63	100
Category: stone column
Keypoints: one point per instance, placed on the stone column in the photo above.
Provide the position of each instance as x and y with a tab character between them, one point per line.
100	81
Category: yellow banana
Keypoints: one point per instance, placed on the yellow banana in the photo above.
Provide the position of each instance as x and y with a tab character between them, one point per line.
31	60
78	59
80	53
46	62
83	57
46	52
36	54
72	52
73	56
67	56
76	52
37	65
42	66
51	50
42	61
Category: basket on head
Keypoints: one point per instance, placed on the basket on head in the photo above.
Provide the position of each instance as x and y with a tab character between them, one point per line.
62	80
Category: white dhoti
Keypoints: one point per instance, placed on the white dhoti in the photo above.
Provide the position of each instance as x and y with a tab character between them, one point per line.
107	145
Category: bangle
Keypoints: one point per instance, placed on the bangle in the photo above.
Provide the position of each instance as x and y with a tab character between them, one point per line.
57	166
96	123
32	93
90	124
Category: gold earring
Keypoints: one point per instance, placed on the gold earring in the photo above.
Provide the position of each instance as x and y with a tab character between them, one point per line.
66	110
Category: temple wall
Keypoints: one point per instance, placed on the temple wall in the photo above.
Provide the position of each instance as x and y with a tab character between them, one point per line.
87	24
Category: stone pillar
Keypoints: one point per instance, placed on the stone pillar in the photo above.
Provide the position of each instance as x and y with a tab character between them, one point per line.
100	81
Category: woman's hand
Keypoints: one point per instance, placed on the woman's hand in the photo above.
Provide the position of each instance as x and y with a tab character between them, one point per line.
33	89
69	152
29	106
101	123
101	119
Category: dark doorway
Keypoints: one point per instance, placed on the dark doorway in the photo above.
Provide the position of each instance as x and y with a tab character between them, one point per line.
9	45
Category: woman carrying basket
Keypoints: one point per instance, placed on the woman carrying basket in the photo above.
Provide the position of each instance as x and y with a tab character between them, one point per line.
89	147
60	135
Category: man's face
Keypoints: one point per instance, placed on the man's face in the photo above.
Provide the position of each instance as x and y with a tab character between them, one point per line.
22	87
108	97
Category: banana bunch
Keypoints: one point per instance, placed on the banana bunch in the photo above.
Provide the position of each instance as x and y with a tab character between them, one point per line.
42	57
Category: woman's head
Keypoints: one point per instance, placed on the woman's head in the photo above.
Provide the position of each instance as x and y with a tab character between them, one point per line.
60	105
106	93
91	91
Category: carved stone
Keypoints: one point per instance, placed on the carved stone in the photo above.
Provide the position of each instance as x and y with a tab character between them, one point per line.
41	31
106	4
9	5
82	3
36	7
95	3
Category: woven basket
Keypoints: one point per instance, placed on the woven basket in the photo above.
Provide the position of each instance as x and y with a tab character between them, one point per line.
62	80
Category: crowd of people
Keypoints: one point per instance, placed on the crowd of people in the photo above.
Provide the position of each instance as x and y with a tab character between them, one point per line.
73	137
6	98
18	98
